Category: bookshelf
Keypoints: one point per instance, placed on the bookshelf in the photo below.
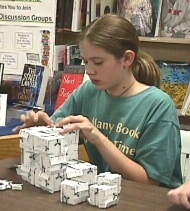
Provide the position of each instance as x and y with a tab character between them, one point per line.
170	49
161	48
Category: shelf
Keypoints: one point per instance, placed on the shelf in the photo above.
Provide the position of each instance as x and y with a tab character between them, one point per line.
168	49
160	48
167	40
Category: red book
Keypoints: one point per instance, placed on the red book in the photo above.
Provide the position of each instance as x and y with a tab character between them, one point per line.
71	79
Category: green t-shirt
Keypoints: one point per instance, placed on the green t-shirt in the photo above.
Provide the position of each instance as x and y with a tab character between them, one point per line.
144	127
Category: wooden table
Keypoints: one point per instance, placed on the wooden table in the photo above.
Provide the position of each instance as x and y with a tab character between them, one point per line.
9	148
133	197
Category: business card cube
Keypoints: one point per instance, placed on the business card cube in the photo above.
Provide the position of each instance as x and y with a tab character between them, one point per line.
50	183
89	172
52	165
74	192
72	172
110	179
29	158
103	196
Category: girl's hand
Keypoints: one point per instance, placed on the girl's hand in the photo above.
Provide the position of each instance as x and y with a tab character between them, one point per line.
34	119
87	129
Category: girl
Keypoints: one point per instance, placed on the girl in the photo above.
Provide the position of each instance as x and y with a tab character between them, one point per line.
127	124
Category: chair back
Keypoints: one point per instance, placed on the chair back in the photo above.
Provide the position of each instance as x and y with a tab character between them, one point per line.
185	154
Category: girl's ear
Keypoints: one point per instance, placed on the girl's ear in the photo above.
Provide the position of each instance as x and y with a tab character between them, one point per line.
128	58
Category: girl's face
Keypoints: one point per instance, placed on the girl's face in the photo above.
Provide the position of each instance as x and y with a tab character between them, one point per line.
104	70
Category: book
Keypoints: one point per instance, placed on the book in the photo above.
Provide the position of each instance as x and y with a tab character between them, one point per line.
10	86
175	19
68	14
71	79
1	74
88	12
33	85
175	80
3	109
157	8
53	88
95	9
59	57
84	13
76	17
60	15
73	55
185	110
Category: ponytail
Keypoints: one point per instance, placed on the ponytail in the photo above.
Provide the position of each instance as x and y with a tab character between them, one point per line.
146	71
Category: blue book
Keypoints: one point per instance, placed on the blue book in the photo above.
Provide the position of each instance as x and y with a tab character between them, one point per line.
175	80
33	85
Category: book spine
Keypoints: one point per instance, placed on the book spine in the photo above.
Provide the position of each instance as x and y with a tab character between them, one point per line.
65	55
158	21
68	14
93	10
60	15
76	18
88	12
83	13
45	74
68	55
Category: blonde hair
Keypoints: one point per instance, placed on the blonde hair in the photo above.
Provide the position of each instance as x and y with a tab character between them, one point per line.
115	35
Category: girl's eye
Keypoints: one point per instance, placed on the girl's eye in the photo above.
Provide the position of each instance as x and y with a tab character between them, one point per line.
98	63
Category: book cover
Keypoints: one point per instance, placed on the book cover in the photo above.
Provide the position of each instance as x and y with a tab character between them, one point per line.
10	86
73	55
71	79
175	19
175	80
139	13
33	85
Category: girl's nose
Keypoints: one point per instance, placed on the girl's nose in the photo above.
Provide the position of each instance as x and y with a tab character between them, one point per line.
89	69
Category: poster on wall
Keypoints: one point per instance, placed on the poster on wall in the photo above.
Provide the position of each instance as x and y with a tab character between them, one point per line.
27	33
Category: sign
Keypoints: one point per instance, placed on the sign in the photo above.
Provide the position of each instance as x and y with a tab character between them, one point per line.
27	28
28	12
